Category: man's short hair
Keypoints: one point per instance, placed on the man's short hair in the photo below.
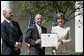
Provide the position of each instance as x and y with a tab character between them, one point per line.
5	10
37	14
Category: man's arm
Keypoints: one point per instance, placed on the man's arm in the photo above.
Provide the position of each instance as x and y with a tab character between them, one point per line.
19	43
20	33
28	38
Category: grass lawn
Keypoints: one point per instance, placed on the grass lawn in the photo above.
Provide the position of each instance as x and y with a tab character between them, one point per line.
25	53
72	53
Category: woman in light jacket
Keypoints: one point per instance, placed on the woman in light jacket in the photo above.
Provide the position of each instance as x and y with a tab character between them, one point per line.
63	33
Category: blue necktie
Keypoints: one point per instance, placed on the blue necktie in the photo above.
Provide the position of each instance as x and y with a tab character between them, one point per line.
11	24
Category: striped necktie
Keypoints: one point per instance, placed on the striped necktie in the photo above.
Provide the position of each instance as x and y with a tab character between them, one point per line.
40	31
11	24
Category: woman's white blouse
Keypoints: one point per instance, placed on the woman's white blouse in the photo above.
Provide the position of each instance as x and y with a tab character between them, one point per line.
63	33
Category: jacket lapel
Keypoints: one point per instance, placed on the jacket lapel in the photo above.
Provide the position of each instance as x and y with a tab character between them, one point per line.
36	30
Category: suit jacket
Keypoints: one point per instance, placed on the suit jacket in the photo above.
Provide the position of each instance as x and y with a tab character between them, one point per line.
31	36
9	37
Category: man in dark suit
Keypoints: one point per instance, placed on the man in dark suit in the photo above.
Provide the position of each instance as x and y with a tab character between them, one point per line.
11	34
33	37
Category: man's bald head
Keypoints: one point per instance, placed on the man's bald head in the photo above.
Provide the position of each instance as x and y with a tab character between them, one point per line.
38	19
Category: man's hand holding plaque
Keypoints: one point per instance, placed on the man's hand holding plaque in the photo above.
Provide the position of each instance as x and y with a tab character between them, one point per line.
38	41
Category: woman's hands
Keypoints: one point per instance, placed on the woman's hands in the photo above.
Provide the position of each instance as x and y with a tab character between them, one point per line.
60	40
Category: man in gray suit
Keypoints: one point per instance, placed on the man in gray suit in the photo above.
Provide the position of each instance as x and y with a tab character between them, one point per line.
33	37
11	34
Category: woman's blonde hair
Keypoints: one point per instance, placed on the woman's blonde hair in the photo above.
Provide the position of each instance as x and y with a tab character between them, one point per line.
59	15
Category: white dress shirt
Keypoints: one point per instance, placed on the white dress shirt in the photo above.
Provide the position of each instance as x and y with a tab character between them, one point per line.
39	29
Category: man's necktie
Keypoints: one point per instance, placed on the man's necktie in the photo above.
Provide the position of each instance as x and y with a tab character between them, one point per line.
11	24
40	31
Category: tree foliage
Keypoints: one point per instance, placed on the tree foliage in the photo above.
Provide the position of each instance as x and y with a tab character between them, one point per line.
46	8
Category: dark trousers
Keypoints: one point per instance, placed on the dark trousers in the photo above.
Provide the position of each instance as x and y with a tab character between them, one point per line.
36	51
